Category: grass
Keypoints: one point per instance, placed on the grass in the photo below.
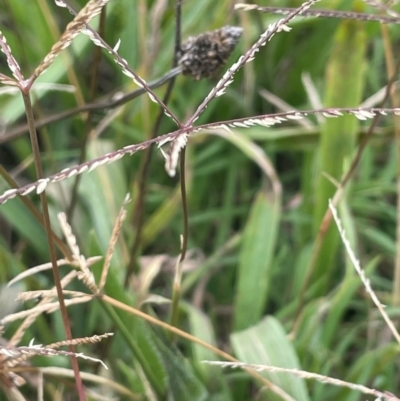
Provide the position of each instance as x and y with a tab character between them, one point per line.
147	230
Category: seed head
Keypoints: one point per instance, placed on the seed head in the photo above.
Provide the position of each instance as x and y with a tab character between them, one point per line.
204	55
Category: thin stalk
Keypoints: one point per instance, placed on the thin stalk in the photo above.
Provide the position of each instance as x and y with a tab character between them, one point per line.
176	291
100	104
193	339
53	257
88	122
178	30
395	102
323	13
133	345
67	56
138	215
182	179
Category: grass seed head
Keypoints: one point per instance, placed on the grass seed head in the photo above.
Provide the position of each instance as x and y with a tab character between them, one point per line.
204	55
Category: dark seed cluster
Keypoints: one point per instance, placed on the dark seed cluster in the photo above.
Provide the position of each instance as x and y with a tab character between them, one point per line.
204	55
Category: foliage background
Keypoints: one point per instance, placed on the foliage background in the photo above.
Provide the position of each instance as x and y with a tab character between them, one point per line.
253	283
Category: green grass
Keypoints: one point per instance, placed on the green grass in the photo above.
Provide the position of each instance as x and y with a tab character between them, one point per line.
260	282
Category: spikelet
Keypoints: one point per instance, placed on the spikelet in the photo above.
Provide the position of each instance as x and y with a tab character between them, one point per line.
204	55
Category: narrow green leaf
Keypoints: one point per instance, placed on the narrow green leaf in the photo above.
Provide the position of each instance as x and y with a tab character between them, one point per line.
182	385
345	77
267	344
201	327
103	191
256	255
367	369
137	335
23	222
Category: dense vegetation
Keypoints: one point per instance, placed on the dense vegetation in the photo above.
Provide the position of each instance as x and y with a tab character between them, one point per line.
234	258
